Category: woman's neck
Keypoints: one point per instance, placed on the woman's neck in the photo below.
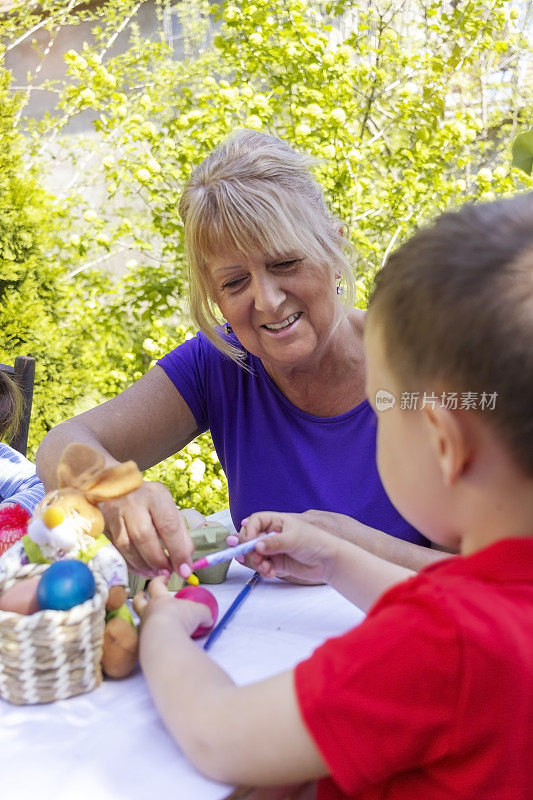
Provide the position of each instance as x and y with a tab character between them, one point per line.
334	381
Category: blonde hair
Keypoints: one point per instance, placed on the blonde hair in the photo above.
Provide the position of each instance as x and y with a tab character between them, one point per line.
253	192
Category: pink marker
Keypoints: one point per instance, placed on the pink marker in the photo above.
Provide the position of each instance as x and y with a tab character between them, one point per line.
223	555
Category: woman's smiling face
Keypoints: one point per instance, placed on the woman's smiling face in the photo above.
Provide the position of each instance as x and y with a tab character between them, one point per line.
281	308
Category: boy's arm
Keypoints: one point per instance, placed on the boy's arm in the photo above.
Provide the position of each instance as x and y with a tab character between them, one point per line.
305	552
397	551
219	726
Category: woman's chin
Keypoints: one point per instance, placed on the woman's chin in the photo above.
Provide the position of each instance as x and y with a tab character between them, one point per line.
287	354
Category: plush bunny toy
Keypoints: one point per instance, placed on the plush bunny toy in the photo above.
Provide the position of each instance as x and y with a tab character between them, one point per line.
68	524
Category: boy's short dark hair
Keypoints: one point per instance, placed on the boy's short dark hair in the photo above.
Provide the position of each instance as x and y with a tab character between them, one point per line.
11	403
455	307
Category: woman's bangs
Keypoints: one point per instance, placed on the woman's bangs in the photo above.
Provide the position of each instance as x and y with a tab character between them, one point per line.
247	226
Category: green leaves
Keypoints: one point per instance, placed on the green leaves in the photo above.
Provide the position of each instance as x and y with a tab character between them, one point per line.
403	106
523	152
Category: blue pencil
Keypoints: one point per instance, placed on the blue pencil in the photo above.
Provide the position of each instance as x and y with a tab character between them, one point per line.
245	591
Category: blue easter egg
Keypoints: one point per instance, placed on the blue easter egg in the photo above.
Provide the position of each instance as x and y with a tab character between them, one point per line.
65	584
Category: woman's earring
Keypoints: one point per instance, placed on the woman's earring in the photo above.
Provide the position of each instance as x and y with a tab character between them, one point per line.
340	289
227	328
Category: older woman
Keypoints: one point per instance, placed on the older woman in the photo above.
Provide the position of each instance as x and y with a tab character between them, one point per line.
281	386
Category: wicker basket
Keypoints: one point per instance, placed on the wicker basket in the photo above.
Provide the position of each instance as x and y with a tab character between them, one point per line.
51	655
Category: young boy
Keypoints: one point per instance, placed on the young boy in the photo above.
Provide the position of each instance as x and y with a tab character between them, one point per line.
431	697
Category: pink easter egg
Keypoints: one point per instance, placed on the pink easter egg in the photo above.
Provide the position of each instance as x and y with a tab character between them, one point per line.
21	597
200	595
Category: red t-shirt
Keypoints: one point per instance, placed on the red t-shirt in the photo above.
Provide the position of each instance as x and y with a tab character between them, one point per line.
431	697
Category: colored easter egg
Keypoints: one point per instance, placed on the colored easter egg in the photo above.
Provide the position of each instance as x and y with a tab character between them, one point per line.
21	597
200	595
65	584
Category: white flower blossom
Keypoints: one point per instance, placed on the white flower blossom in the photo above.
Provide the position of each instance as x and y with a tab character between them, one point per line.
197	470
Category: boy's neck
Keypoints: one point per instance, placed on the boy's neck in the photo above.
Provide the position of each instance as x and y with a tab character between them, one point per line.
501	510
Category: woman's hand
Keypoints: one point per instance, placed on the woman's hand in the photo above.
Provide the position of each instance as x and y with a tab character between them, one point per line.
299	551
145	523
161	605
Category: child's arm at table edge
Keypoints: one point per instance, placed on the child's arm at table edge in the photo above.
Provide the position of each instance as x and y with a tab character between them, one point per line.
251	735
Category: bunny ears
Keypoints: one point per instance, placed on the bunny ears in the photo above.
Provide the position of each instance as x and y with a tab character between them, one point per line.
83	468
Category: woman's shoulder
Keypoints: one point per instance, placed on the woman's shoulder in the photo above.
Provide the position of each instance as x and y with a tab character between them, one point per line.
200	354
201	343
225	333
208	344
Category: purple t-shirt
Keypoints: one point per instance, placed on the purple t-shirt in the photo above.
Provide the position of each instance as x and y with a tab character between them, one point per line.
275	456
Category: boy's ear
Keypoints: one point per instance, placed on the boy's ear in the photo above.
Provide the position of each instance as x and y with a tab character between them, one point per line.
450	441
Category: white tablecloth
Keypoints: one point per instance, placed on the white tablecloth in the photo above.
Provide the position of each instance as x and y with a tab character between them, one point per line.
110	745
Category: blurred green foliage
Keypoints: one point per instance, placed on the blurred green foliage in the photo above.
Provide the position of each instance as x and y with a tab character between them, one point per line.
523	151
404	111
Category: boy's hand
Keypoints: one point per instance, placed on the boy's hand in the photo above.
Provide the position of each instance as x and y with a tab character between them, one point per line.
299	551
162	606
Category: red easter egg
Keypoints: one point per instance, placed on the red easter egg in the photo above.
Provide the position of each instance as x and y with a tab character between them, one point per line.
200	595
21	597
